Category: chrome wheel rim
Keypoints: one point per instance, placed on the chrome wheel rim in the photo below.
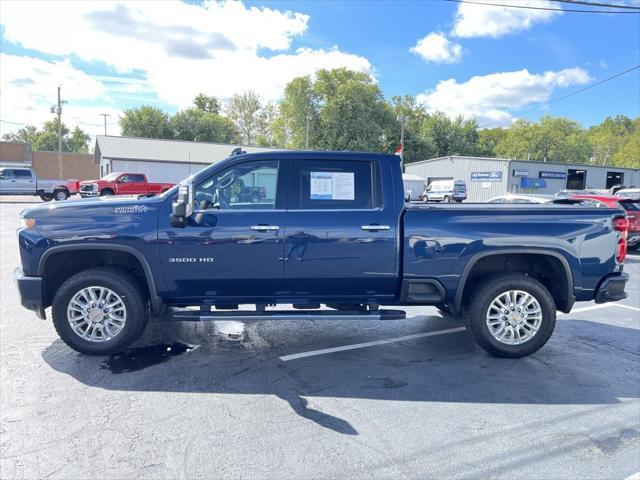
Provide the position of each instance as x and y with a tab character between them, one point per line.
61	196
96	314
514	317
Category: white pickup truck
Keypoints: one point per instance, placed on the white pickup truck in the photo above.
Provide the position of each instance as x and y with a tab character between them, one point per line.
23	181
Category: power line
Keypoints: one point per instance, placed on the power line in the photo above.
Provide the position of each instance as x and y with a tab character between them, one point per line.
594	4
528	7
565	96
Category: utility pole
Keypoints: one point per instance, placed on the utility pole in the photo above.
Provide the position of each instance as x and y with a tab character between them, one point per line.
402	118
57	109
306	136
105	115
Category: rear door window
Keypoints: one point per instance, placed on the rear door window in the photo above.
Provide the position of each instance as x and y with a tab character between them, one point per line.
338	185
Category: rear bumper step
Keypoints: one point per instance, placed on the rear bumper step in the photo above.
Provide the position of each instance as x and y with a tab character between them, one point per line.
196	316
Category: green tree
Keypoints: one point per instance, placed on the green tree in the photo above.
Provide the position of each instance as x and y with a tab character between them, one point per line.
297	107
551	139
146	122
488	140
47	138
352	113
199	125
207	104
609	137
244	110
444	136
628	155
406	108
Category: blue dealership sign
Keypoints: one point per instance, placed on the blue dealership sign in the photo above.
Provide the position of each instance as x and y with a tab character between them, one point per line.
486	176
556	175
533	183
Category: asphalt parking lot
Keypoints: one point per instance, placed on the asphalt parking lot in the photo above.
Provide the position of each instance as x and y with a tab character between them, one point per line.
404	399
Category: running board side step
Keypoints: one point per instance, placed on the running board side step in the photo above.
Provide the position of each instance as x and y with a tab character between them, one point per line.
381	314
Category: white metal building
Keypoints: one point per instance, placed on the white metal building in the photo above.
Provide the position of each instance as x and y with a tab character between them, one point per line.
160	160
489	177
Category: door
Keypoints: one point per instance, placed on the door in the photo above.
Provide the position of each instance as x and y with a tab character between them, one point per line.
132	184
231	248
341	231
25	182
7	181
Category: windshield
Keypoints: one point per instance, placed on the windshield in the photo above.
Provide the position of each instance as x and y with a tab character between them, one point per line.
111	176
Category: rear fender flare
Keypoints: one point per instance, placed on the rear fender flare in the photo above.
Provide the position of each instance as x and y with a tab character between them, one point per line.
457	303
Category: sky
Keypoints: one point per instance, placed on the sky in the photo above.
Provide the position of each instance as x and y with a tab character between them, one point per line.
490	63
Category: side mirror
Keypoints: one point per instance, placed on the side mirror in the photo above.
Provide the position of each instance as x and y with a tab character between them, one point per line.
182	208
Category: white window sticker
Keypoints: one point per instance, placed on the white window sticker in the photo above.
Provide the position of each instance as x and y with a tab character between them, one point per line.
332	186
343	186
321	186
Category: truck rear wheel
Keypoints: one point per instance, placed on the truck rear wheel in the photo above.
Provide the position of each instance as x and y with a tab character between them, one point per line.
60	194
511	315
46	197
100	311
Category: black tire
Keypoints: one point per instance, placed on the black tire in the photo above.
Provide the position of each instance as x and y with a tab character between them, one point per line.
120	282
446	199
60	194
477	308
106	192
47	197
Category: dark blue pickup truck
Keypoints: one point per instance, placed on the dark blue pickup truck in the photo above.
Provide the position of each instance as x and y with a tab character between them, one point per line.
331	228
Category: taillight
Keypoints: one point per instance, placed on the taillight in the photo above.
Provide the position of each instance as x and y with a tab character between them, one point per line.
621	224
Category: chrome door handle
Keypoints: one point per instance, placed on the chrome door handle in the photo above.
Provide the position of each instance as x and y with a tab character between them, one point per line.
265	228
375	228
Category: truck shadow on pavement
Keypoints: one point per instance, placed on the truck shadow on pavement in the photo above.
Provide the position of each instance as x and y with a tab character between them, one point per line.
584	363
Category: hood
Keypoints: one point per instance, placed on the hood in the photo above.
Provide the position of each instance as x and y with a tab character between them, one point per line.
117	208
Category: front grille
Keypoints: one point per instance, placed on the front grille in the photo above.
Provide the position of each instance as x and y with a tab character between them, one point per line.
87	188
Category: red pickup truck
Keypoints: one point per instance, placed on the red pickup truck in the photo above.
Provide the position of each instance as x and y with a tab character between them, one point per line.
119	183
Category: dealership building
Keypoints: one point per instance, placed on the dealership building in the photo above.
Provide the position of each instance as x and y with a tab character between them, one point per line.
490	177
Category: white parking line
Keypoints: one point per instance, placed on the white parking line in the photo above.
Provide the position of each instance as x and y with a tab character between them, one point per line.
355	346
627	306
589	308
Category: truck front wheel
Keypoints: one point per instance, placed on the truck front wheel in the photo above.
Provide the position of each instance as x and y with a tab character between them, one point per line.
60	194
511	315
105	192
100	311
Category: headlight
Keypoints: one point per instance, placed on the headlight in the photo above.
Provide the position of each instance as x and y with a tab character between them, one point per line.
27	222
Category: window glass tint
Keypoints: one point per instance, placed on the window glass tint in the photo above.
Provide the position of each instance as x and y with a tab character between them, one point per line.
631	206
22	173
136	178
246	186
6	173
326	184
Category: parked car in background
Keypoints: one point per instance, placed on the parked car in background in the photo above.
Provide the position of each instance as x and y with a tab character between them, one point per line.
628	193
445	191
119	183
23	181
540	199
588	191
630	205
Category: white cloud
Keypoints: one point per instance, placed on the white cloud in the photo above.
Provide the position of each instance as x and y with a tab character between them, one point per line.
492	98
217	48
28	89
435	47
489	21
